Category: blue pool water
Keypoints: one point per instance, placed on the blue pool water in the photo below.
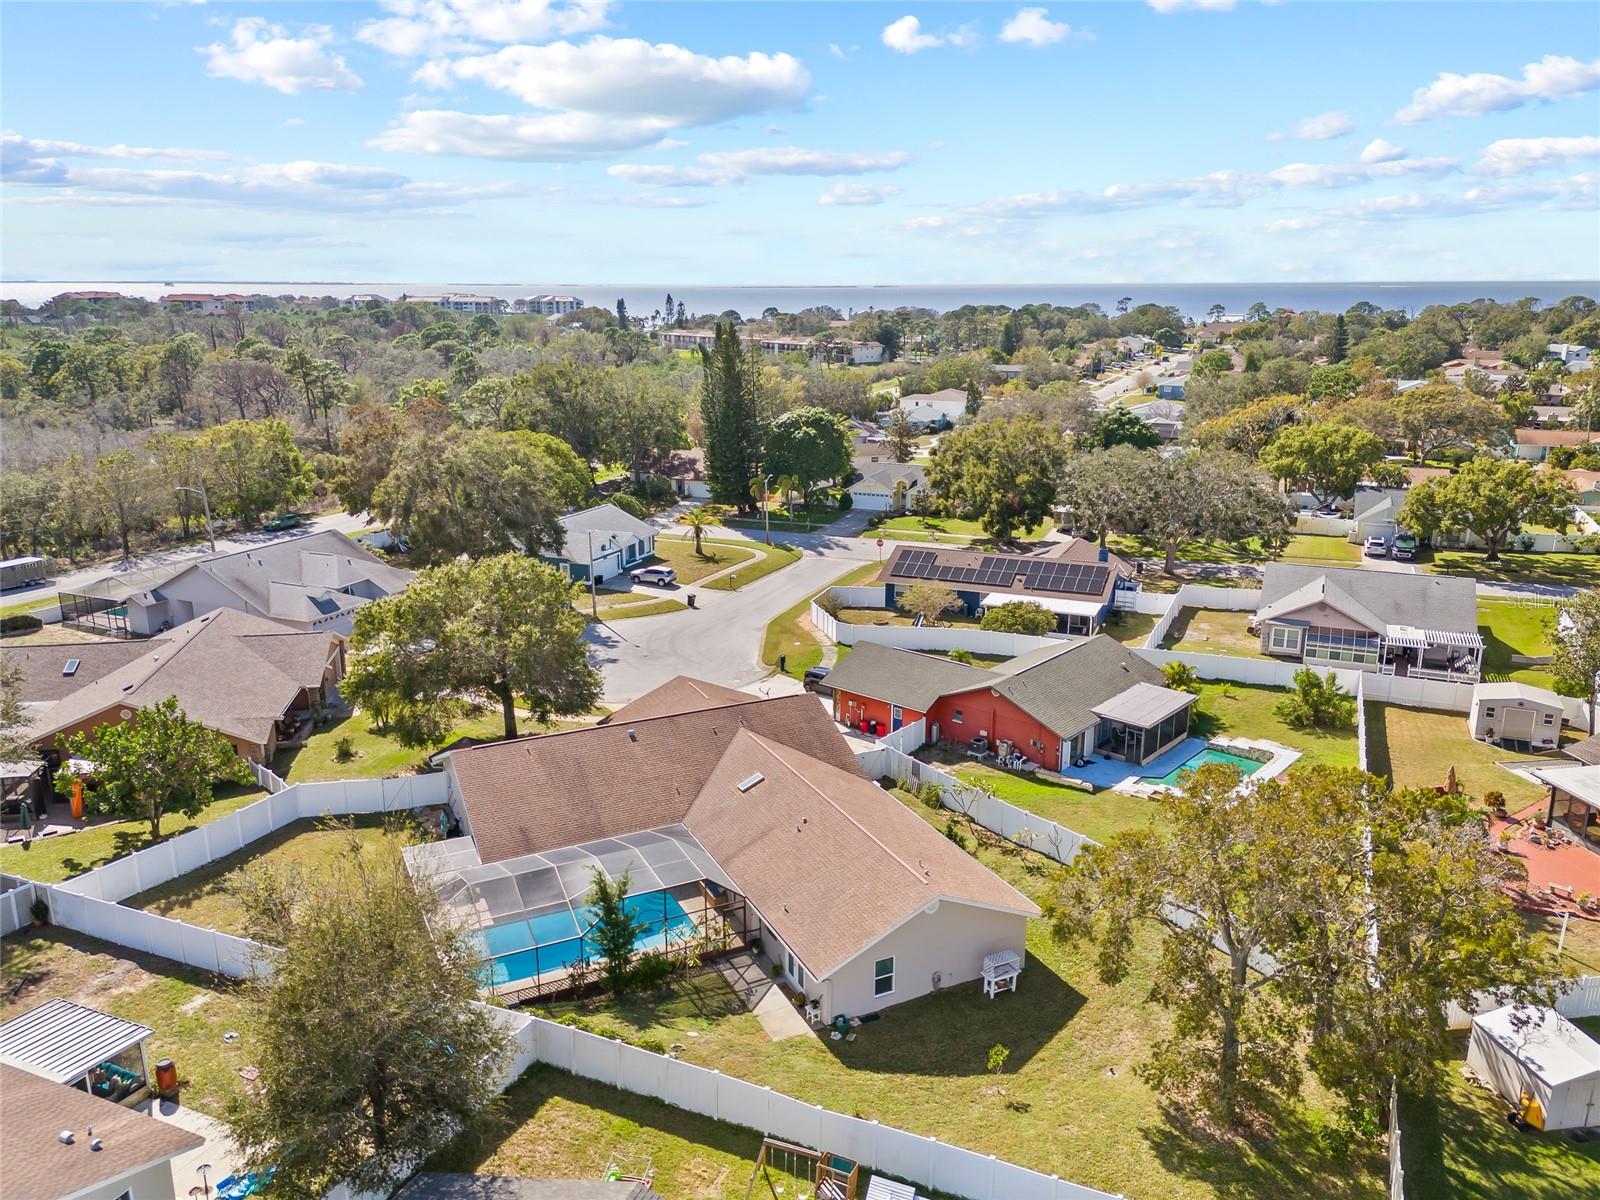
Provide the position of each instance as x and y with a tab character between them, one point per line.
520	950
1247	766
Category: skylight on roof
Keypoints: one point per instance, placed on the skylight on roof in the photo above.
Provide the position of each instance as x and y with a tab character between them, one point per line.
746	784
71	668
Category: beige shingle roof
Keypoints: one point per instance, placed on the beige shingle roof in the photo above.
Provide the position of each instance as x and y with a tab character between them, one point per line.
228	670
679	694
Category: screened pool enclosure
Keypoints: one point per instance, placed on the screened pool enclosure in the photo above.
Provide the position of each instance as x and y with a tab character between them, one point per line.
532	915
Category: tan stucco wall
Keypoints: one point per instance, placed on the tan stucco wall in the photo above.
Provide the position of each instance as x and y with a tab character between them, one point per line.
952	941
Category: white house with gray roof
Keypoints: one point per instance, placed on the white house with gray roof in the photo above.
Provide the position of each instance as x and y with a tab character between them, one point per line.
1424	626
887	486
603	541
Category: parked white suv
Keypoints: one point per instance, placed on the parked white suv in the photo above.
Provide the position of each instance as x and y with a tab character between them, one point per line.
660	576
1376	547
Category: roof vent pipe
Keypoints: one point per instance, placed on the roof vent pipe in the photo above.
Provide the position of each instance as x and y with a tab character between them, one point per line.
633	735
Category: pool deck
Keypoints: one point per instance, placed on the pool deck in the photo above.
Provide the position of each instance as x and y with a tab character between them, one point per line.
1114	775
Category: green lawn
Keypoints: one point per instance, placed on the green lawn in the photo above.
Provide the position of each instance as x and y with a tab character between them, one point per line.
1573	570
772	558
1129	628
1458	1146
53	859
678	553
1316	548
1416	748
1098	815
43	598
802	522
1213	631
786	638
188	1009
945	529
207	896
897	616
378	754
1513	627
645	608
1301	548
1240	710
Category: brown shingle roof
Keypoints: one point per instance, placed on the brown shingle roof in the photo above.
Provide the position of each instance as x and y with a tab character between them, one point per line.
559	789
1556	437
228	670
43	667
36	1166
679	694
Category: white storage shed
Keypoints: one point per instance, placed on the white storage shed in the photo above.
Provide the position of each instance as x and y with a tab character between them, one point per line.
1540	1052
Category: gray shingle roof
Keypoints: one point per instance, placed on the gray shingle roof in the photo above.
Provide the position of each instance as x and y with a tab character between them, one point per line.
887	474
1062	691
44	668
602	518
1438	602
903	676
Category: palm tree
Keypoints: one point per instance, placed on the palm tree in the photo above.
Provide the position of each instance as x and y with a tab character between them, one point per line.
699	520
787	486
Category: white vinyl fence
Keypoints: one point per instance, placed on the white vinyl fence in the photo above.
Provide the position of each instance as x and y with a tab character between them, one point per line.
16	904
1578	997
1199	595
267	778
908	739
998	817
881	1148
155	865
1397	1172
930	637
207	949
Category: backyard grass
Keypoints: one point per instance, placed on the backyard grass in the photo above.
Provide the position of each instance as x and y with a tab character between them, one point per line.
1098	815
1417	748
556	1124
678	553
897	616
1320	549
1129	628
1301	548
1241	710
1512	627
53	859
787	638
1580	952
945	529
206	896
188	1009
772	558
1572	570
1213	631
1458	1146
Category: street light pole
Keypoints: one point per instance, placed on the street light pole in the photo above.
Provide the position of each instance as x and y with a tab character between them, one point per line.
766	507
205	502
594	604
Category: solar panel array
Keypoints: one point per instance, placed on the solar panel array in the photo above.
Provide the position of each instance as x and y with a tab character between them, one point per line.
1001	571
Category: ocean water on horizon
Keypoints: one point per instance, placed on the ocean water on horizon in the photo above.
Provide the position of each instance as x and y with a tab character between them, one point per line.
1192	299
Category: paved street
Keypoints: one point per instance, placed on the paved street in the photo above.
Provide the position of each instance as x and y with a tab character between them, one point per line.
1175	370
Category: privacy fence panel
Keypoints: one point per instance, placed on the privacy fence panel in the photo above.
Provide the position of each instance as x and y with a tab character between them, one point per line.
16	906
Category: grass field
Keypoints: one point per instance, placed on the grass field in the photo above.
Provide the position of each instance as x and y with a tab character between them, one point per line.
1416	748
1574	570
623	605
678	553
53	859
1213	631
801	522
771	558
786	637
1301	548
207	896
945	529
1131	629
188	1009
1098	815
1509	627
1240	710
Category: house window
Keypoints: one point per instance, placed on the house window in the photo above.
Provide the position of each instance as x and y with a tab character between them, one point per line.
1286	638
1549	718
1488	714
883	977
797	971
955	717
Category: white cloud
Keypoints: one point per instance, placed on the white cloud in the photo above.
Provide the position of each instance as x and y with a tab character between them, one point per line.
15	146
1553	77
1513	156
1575	193
724	167
857	194
1172	6
1379	150
906	36
526	137
292	122
1034	27
628	77
1335	175
262	53
1319	128
418	27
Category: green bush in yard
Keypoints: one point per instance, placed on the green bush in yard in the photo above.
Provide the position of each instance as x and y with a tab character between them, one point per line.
1317	702
1020	616
20	623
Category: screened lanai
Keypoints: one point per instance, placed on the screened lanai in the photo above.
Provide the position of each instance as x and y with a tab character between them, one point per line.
532	916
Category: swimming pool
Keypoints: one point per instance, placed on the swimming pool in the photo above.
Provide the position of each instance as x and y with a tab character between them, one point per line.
554	941
1247	766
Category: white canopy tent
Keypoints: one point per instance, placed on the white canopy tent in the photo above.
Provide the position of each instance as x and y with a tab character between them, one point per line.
1540	1052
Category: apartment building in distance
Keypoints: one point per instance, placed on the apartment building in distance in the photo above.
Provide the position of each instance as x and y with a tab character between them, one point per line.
460	302
206	302
549	306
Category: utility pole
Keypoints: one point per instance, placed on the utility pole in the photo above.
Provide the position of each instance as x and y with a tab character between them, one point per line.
766	508
594	604
205	502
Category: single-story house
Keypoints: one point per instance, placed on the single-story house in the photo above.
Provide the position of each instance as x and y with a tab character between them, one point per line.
1415	475
256	682
1007	371
1534	445
1553	414
1377	511
748	817
433	1185
1055	705
934	409
1136	343
1587	485
1540	1063
312	582
1574	799
1396	624
687	471
887	486
1164	416
603	541
80	1048
1516	714
1076	579
1171	390
1576	357
64	1144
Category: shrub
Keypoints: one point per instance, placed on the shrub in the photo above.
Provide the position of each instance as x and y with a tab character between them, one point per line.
1020	616
344	750
962	656
953	832
654	489
1317	702
629	504
1181	677
20	623
846	500
651	970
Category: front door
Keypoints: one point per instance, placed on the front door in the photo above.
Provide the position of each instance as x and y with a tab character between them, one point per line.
897	717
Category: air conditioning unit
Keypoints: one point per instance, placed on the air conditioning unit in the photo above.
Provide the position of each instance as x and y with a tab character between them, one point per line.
938	980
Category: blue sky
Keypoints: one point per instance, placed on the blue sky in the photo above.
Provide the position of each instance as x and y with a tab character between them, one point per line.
859	143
